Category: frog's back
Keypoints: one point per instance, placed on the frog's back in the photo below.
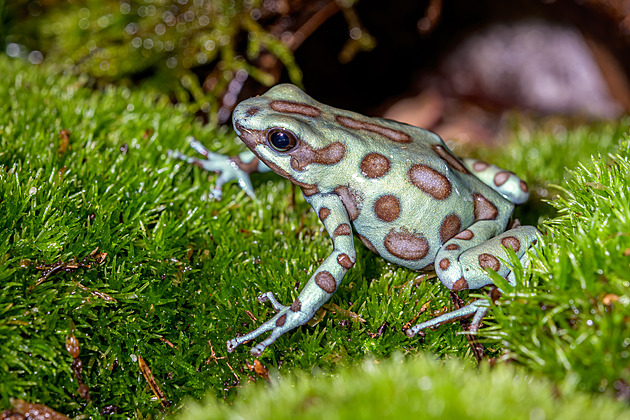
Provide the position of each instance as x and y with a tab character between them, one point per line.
406	193
407	198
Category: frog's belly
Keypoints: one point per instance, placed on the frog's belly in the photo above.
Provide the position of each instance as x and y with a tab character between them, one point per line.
408	229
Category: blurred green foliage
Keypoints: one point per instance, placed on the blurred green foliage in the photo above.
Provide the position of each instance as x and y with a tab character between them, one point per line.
198	51
399	388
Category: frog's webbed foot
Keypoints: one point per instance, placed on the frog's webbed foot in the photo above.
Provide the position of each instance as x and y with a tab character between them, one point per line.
287	318
476	309
226	166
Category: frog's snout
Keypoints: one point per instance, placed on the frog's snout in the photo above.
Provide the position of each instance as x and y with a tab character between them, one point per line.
243	112
251	138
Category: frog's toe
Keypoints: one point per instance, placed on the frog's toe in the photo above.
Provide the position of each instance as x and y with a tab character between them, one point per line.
217	193
177	155
278	325
257	350
198	146
232	344
237	341
272	299
246	185
285	320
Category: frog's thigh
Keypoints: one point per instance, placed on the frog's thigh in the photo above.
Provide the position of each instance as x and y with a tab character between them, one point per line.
461	262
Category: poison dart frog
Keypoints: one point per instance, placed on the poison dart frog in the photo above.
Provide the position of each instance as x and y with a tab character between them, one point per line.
396	187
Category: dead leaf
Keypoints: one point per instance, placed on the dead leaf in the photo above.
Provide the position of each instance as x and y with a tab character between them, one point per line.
148	376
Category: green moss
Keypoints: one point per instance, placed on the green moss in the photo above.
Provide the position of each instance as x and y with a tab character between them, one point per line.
182	272
113	189
570	321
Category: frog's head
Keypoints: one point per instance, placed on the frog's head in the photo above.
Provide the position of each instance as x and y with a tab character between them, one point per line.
291	133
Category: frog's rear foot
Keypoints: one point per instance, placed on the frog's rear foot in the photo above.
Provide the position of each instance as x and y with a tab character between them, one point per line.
287	318
476	309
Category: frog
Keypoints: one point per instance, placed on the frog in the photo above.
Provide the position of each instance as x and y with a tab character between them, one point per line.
397	188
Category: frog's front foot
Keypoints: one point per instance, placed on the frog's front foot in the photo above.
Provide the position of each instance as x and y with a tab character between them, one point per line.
286	319
227	167
476	309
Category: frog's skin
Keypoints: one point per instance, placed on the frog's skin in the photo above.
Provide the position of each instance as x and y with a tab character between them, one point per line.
396	187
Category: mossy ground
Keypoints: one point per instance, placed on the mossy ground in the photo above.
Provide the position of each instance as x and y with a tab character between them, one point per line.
182	272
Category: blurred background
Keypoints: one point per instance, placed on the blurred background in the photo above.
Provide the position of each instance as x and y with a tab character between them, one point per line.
457	67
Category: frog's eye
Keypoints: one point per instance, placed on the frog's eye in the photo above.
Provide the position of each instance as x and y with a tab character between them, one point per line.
281	139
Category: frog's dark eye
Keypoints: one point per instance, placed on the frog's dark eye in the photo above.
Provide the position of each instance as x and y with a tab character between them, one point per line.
281	139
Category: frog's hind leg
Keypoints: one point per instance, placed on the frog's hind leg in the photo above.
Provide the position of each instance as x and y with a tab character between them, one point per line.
504	182
322	283
461	262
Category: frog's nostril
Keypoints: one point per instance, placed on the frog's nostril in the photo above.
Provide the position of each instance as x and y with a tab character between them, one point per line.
252	111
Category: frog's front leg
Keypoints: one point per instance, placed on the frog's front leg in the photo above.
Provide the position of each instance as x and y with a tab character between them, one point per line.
229	167
461	262
320	286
